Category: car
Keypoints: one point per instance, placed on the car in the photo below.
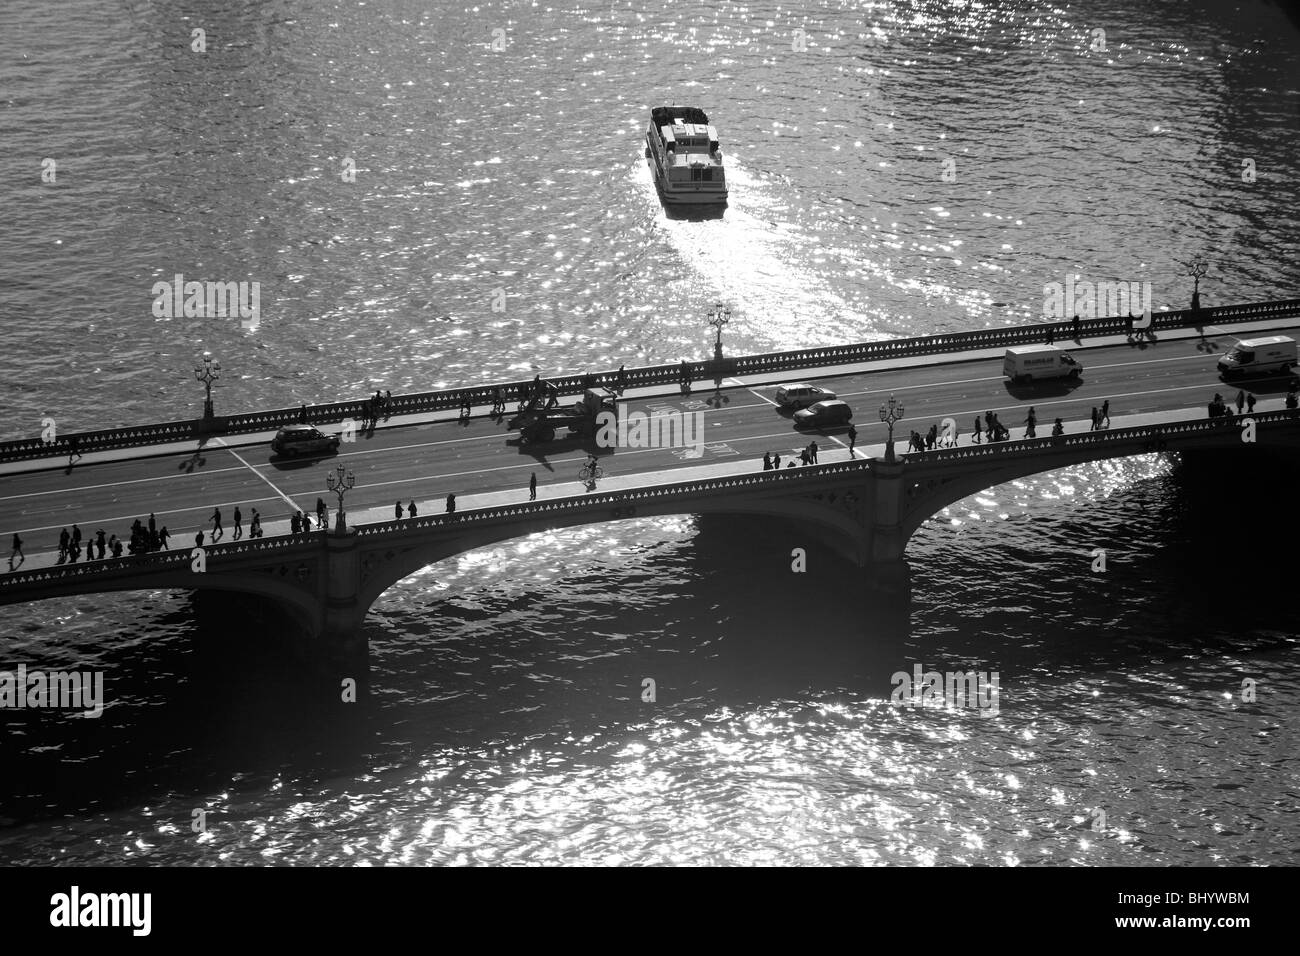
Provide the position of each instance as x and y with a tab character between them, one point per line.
801	395
294	440
823	413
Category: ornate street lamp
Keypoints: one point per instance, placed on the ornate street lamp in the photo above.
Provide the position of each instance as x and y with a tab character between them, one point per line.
1197	272
891	412
340	481
207	373
719	317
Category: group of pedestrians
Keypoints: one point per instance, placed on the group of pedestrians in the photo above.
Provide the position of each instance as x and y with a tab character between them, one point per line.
807	456
413	512
1100	416
1245	403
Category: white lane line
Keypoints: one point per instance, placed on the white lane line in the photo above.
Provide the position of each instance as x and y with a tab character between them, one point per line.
292	504
175	511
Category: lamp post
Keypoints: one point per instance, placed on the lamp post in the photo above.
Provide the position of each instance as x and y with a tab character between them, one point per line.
891	412
1197	272
719	317
340	481
207	373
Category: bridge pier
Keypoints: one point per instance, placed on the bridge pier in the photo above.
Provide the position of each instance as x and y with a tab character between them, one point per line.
339	649
886	540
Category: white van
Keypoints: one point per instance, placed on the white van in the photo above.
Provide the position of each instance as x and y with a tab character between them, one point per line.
1257	356
802	395
1024	363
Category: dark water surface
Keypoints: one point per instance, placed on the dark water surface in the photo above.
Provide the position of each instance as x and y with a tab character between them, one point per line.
506	721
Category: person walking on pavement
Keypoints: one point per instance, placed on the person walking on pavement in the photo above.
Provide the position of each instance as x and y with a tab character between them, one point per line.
101	546
1096	419
1030	421
767	461
322	513
1292	398
254	526
17	549
198	540
451	504
776	462
1241	401
411	510
1250	403
813	452
163	538
532	487
853	439
1058	428
803	456
1074	324
152	523
295	523
64	538
74	454
1105	413
217	530
239	524
975	435
76	539
397	509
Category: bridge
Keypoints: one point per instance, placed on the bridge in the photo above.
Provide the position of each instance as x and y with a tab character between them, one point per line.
862	502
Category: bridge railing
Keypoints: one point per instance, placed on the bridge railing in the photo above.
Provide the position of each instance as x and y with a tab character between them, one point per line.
1156	434
649	376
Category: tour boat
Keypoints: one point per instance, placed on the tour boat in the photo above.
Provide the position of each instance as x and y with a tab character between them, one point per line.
686	156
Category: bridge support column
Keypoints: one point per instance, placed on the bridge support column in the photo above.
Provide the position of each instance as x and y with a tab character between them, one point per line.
342	650
887	570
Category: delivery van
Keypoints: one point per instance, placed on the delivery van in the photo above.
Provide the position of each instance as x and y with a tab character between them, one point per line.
1259	356
1026	363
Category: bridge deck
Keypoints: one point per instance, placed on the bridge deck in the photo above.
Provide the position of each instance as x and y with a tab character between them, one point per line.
425	459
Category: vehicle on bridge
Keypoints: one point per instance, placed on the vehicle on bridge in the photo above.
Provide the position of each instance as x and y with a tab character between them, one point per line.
293	440
821	414
1276	353
538	422
802	395
1025	363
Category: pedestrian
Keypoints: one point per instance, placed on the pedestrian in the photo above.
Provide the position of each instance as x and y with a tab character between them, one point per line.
254	526
388	403
17	548
198	540
451	504
803	456
1241	401
1074	323
686	378
295	523
1049	333
813	452
1250	403
975	438
163	538
767	461
1105	413
115	544
776	462
64	540
322	513
411	510
101	545
988	424
239	524
302	415
931	437
74	454
1058	428
217	530
304	521
1128	325
622	379
397	510
1031	420
74	552
1292	399
76	538
532	487
853	439
152	523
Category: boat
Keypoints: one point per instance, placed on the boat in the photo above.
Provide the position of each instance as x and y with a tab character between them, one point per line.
686	156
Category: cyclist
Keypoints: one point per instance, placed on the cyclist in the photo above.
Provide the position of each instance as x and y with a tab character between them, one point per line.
590	467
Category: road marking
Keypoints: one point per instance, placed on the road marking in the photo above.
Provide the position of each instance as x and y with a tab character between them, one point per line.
292	504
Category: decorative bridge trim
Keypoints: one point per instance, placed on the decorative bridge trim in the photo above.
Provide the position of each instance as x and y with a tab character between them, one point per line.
656	375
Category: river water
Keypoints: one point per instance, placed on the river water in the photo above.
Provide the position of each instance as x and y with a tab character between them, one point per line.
506	722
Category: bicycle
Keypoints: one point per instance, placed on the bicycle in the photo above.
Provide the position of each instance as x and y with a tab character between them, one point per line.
590	474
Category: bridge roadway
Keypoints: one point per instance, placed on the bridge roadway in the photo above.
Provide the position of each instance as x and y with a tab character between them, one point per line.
1172	378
